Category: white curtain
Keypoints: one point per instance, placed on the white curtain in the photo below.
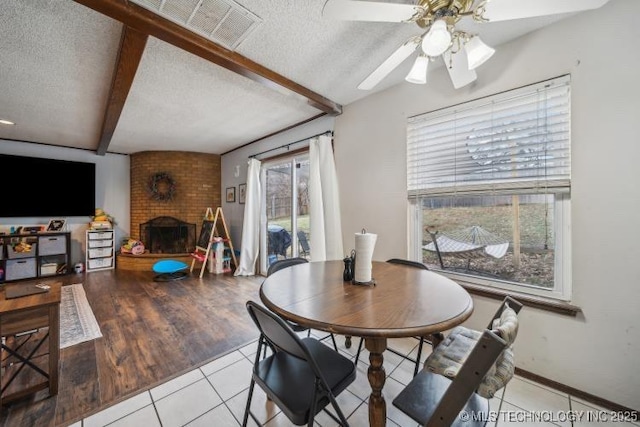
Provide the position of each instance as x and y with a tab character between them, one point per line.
251	224
325	225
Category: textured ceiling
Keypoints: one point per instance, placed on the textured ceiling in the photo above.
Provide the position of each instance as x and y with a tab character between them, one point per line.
182	102
58	57
56	62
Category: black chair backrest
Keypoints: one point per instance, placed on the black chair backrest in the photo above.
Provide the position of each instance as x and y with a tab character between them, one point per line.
410	263
284	263
482	357
276	331
512	303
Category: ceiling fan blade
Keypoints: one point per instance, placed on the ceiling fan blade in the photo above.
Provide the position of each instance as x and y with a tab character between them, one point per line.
396	58
458	69
502	10
348	10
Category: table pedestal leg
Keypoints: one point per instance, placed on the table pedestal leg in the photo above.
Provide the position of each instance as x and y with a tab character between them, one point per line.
436	339
376	375
347	341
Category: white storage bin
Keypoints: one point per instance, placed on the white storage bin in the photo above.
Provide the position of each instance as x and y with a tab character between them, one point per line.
48	269
100	244
100	263
101	235
100	252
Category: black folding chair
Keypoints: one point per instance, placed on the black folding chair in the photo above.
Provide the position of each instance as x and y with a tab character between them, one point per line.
302	377
284	263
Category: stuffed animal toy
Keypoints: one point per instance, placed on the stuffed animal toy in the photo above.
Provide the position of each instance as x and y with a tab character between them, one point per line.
101	215
132	246
102	220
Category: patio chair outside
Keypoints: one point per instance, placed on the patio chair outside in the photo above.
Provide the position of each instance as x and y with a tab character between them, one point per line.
305	249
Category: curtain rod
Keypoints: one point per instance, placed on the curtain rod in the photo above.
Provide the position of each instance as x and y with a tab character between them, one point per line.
291	143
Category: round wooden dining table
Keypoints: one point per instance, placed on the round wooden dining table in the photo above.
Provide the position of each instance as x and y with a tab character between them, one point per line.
404	302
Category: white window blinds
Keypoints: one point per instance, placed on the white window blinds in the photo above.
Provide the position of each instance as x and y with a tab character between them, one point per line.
514	141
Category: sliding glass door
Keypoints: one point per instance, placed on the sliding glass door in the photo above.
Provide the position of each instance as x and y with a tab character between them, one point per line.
285	224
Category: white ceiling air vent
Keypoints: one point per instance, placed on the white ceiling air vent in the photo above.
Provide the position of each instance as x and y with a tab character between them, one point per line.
222	21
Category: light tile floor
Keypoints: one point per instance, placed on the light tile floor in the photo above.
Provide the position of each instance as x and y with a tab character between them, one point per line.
216	394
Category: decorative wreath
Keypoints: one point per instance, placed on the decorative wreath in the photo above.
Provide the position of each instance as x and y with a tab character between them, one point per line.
162	187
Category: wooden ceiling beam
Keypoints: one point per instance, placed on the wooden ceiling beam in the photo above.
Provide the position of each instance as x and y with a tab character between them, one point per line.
161	28
132	45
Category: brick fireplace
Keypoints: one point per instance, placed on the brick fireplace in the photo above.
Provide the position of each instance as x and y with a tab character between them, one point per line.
197	180
168	235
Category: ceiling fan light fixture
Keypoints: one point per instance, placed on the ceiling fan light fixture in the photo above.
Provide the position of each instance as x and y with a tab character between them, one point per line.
437	40
418	73
459	72
477	52
437	19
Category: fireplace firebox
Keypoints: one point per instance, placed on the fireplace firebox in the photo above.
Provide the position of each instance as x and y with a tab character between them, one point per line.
168	235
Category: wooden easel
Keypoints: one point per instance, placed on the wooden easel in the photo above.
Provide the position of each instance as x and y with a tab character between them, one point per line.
208	233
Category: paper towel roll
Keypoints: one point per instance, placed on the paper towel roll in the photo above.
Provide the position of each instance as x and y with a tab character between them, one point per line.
365	242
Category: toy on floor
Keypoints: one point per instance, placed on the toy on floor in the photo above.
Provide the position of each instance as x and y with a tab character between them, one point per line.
169	269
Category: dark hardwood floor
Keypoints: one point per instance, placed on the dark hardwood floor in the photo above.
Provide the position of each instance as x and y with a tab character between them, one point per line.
152	331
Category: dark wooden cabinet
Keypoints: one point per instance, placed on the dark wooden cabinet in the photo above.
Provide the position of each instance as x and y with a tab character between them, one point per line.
49	255
19	317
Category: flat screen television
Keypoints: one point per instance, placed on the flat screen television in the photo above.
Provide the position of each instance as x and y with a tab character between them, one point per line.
39	187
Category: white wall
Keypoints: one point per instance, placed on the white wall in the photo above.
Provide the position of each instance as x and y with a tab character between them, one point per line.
597	351
234	212
112	189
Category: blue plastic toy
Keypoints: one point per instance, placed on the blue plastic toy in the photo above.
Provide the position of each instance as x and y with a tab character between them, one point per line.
169	269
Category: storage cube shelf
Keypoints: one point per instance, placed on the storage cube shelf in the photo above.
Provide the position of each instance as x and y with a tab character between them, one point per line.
100	251
49	256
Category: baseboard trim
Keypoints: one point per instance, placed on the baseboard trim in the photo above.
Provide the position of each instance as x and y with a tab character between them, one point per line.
587	397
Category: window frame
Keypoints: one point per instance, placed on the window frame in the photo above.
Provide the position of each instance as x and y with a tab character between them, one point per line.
562	286
291	159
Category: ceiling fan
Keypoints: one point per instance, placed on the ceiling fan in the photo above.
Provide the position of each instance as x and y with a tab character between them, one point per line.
462	51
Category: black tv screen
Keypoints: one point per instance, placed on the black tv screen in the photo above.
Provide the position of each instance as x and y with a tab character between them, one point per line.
38	187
